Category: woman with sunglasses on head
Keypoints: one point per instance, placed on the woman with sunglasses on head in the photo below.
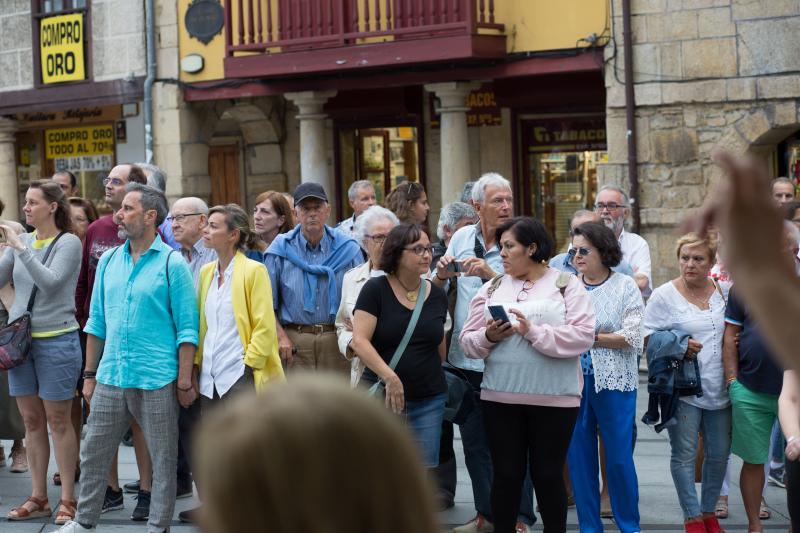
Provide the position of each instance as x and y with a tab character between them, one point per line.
371	229
531	388
409	202
694	304
611	378
416	387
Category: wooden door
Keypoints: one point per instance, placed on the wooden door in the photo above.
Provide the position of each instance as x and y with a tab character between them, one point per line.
223	167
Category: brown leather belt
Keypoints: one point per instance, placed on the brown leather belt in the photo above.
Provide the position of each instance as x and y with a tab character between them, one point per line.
316	329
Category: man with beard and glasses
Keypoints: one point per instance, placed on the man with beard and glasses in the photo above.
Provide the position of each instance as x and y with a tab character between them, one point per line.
613	206
143	377
102	235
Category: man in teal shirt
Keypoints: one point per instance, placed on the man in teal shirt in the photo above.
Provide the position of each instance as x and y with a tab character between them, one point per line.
143	319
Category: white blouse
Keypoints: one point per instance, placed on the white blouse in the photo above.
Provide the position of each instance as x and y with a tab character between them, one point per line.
667	309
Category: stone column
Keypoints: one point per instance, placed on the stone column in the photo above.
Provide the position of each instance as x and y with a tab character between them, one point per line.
453	131
313	148
9	191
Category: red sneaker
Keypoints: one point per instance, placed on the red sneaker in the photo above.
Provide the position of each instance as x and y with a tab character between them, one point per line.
712	525
695	526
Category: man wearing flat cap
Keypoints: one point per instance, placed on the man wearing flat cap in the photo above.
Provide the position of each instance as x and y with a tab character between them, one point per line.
306	267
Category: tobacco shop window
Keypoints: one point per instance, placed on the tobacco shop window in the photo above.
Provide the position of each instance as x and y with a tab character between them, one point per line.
61	31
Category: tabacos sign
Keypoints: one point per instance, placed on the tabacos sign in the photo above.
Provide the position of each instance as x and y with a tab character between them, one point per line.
61	44
566	134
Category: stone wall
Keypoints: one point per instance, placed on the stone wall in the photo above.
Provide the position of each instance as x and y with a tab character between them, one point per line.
16	46
118	42
708	75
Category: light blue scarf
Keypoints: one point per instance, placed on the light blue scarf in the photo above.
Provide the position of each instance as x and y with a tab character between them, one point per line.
343	250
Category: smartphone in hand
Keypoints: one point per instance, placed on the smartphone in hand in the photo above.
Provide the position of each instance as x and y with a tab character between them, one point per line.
498	313
455	266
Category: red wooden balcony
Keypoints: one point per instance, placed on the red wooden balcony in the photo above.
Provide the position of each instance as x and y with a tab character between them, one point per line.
266	38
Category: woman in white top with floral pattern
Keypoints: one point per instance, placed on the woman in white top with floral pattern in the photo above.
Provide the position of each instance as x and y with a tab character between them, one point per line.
611	378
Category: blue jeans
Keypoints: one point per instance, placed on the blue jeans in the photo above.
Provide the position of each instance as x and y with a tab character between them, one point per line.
479	465
424	417
715	426
613	412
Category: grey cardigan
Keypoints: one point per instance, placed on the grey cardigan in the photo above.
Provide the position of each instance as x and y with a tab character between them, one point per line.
54	307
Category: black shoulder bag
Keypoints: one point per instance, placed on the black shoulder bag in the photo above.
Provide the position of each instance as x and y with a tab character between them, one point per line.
15	338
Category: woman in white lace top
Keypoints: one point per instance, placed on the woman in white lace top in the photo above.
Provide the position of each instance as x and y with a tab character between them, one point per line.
610	372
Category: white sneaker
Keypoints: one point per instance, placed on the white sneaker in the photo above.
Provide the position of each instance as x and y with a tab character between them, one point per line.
479	524
73	527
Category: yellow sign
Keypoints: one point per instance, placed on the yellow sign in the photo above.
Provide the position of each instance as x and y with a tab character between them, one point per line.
61	43
79	142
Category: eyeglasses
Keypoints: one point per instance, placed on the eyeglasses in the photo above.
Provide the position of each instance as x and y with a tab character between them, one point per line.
523	294
181	218
419	249
611	207
380	239
116	182
580	251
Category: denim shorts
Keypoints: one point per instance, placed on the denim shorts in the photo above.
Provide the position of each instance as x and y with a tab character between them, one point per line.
51	370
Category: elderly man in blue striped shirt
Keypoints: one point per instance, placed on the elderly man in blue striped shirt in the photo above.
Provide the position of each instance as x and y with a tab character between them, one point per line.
306	267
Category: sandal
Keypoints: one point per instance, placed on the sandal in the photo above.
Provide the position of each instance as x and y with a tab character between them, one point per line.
66	511
721	511
57	476
764	513
20	513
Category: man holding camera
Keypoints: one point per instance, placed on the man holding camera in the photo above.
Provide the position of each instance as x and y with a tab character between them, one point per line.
474	255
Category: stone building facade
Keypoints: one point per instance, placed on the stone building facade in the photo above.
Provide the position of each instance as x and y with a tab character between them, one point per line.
709	74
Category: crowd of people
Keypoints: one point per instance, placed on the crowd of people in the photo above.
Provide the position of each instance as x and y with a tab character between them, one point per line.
534	354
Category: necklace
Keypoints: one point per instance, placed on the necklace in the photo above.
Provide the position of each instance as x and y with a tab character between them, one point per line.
702	301
583	279
411	294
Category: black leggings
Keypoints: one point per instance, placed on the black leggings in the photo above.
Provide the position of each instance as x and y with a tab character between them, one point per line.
793	492
517	433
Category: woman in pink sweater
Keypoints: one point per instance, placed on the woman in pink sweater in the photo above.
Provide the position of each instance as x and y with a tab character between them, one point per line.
532	384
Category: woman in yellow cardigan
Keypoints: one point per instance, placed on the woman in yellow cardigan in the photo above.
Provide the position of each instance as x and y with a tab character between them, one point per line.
238	346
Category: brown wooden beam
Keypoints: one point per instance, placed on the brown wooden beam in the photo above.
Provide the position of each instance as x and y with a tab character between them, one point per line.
53	98
588	61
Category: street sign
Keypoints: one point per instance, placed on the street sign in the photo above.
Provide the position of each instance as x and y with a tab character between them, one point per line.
61	41
79	142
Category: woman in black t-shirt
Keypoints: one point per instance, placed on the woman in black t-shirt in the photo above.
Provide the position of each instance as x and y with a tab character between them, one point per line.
417	387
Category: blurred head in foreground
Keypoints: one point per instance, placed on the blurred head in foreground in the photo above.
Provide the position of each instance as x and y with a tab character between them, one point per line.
311	456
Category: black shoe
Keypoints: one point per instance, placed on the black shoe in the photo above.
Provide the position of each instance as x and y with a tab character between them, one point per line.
142	511
113	500
183	489
189	516
132	487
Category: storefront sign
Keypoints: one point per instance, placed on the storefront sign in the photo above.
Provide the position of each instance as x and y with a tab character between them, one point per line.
79	142
483	110
85	164
61	41
76	115
569	134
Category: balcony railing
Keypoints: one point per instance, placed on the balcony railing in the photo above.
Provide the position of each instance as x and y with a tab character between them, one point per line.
274	26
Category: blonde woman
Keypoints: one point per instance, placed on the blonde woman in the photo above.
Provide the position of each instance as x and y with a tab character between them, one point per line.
371	230
238	347
694	304
377	486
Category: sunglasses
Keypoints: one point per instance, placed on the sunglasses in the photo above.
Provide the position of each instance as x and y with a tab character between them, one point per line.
579	251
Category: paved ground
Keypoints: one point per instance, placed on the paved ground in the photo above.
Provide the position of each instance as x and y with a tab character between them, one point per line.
658	502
